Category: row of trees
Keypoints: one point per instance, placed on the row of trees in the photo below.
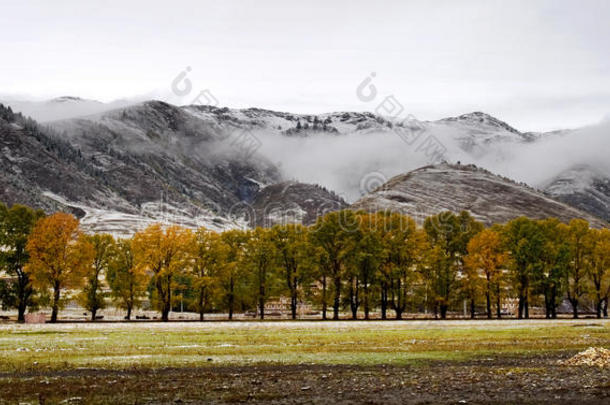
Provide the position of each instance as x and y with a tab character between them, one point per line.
357	261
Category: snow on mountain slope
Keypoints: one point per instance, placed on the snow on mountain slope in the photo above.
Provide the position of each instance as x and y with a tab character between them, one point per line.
490	198
62	107
292	202
122	224
274	122
33	161
155	151
146	165
584	187
191	164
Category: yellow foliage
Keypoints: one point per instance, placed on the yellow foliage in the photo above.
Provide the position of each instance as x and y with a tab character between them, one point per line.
59	256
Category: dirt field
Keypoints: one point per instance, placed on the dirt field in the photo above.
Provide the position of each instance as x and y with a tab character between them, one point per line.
303	362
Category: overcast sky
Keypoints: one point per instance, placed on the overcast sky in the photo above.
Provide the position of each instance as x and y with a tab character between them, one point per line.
538	65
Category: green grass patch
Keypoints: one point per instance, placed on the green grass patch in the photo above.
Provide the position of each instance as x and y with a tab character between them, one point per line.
117	346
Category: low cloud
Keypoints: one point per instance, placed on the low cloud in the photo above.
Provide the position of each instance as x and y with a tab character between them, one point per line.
341	162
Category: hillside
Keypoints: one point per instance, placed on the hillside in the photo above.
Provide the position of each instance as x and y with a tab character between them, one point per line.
490	198
143	165
584	187
290	202
122	169
34	161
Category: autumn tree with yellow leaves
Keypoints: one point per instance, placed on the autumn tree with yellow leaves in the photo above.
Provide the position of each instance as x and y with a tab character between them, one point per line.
93	296
261	265
335	234
406	247
449	234
59	257
164	253
599	269
126	280
209	258
362	262
579	245
232	276
485	261
296	257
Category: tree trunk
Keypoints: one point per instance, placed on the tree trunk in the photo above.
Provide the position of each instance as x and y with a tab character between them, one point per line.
23	294
353	299
293	301
605	307
130	301
261	301
401	301
94	306
598	305
523	299
553	300
231	297
54	314
574	303
165	297
520	309
292	282
366	301
498	304
200	303
472	309
324	297
55	304
165	313
443	308
169	298
337	300
488	302
21	312
384	301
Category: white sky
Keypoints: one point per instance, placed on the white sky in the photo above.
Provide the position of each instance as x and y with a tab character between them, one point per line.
538	65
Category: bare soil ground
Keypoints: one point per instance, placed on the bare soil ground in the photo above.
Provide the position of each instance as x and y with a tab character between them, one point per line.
534	381
457	362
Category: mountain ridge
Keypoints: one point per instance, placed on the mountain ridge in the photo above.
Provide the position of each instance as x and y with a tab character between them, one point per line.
156	161
490	198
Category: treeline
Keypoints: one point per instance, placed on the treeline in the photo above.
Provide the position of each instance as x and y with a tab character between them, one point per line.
354	261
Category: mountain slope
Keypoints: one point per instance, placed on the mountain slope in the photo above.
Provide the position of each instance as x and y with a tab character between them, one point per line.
155	151
292	202
34	161
62	107
201	166
490	198
584	187
144	164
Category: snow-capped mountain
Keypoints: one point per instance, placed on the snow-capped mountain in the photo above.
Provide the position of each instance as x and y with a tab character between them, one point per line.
585	187
60	108
146	165
122	170
282	123
292	202
201	165
489	198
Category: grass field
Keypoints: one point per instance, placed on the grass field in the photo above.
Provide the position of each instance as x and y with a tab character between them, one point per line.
309	362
